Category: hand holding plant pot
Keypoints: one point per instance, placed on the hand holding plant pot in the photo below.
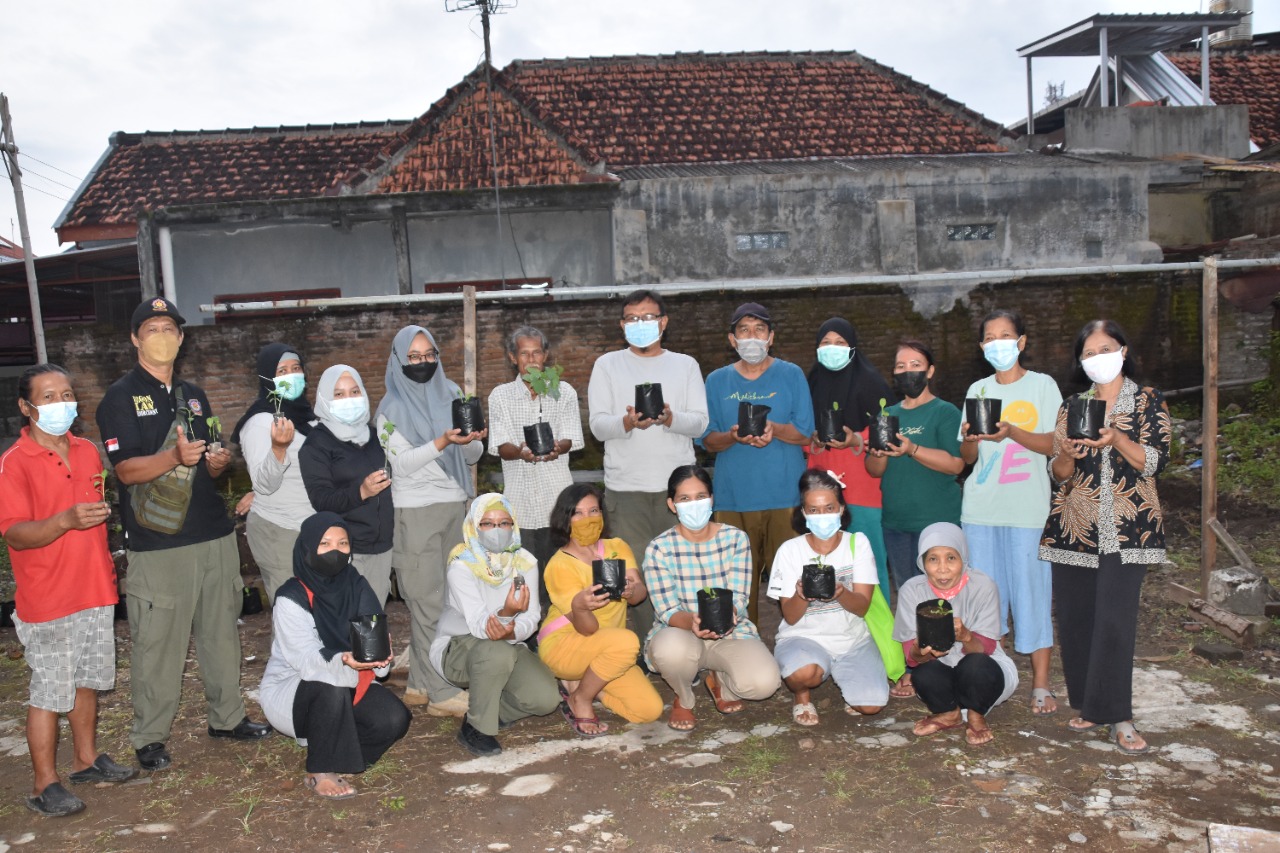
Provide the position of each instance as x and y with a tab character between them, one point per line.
610	575
468	418
214	423
538	437
716	614
935	626
1086	415
753	420
831	429
649	404
982	414
818	581
884	429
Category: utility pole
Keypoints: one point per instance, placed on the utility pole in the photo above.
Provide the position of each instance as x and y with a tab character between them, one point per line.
9	151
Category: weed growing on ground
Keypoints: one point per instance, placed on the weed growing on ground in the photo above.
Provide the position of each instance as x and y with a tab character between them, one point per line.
756	759
248	800
835	780
394	804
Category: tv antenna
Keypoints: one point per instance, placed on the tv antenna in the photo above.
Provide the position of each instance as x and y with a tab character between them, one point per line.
488	8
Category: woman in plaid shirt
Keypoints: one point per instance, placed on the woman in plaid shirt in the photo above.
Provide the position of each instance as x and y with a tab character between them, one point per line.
695	554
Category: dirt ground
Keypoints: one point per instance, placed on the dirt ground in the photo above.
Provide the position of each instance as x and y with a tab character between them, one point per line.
746	782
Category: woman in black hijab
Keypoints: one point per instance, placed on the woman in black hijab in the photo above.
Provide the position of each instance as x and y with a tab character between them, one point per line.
270	445
844	379
313	689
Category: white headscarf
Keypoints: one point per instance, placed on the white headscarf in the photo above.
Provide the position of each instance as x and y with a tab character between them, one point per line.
354	433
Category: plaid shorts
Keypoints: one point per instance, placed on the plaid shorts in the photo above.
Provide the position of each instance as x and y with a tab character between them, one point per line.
72	651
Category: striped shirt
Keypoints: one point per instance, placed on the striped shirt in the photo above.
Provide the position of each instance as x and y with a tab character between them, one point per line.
675	569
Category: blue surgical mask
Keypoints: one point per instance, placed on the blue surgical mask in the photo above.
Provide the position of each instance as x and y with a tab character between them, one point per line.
1001	354
834	357
823	525
694	515
643	333
291	385
55	418
350	410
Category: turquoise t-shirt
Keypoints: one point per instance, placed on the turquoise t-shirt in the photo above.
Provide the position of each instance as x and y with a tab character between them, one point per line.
1009	485
755	478
916	496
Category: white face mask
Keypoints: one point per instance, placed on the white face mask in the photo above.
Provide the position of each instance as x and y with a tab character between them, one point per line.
350	410
752	350
55	418
694	515
1104	367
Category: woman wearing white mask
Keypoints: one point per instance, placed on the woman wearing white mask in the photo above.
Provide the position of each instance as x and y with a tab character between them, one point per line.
343	470
1105	528
270	435
822	638
699	553
1006	497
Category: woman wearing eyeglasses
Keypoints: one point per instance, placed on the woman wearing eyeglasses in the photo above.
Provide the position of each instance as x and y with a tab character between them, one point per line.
430	484
491	609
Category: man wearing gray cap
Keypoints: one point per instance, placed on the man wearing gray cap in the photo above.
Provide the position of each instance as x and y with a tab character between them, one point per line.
184	566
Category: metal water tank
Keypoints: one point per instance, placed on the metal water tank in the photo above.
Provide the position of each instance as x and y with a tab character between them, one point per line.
1238	36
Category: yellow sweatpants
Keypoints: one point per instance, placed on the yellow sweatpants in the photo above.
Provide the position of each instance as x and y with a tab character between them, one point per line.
611	654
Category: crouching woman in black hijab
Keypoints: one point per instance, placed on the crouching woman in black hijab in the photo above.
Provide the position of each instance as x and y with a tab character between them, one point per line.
313	689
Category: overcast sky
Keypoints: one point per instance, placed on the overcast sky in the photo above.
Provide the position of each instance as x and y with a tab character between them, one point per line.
76	72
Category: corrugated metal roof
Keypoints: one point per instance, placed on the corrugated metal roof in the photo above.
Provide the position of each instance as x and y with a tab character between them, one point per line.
1129	34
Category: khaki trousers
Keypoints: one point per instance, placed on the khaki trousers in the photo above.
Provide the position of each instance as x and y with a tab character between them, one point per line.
506	681
744	666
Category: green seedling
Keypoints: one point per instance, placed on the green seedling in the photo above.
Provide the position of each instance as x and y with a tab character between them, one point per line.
545	382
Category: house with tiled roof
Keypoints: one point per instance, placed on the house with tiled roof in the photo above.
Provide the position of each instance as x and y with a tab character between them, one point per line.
626	171
1246	74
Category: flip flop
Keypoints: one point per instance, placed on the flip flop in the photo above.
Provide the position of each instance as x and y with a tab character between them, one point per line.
681	714
1038	697
799	710
1081	725
313	783
724	706
1125	733
901	690
577	722
971	733
929	725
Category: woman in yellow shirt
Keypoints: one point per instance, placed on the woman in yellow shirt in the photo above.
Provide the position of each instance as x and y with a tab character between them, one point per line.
584	640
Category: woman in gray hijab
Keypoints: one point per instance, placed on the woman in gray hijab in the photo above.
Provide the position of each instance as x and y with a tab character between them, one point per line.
342	468
431	483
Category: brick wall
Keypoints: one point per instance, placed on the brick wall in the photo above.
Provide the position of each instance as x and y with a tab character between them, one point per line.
1160	313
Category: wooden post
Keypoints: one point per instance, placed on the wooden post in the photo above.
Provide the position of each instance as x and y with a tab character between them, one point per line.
469	348
400	239
9	153
1209	419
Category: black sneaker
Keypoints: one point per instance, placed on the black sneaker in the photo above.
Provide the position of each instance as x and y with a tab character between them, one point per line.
153	756
246	729
476	741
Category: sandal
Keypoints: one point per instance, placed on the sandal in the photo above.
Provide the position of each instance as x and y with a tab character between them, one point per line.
978	737
681	718
1040	697
930	725
804	714
577	723
902	689
1081	725
724	706
314	780
1128	740
55	801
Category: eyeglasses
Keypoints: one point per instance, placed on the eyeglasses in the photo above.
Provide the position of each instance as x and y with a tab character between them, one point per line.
420	357
638	318
489	525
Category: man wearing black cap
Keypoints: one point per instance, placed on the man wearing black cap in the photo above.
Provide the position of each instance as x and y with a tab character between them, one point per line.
184	566
757	476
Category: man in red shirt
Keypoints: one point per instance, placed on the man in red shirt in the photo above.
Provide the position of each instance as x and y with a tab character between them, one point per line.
53	517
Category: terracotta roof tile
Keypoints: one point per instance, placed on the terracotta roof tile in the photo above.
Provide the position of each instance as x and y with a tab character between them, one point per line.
1250	77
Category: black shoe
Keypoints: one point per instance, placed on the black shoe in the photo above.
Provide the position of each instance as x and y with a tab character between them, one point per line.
55	801
103	769
153	756
246	729
476	741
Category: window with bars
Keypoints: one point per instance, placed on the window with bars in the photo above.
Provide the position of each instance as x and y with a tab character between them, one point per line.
762	241
971	231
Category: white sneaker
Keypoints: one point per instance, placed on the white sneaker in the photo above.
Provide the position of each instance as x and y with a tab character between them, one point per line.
454	706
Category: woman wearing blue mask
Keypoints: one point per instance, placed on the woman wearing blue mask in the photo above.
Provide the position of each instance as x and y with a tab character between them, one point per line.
270	435
343	470
827	638
698	553
1006	496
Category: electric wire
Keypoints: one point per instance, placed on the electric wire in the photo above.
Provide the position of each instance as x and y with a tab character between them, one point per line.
50	165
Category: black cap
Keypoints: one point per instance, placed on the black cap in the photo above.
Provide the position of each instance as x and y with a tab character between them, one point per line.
158	307
751	309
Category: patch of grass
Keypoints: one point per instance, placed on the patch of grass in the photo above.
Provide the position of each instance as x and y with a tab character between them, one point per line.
249	801
386	770
756	759
394	804
835	780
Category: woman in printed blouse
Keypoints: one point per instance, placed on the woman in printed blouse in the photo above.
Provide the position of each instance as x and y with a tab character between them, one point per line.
1105	527
695	554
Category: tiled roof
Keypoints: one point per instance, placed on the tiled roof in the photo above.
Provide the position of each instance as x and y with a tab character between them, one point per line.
1250	77
151	170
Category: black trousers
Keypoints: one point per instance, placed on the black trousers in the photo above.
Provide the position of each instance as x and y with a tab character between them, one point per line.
537	541
346	738
1097	629
975	683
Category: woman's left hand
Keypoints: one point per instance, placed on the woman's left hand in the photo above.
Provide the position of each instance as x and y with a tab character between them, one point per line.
963	634
517	600
499	630
1106	438
356	665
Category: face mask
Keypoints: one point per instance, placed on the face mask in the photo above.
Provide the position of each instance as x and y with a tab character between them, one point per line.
835	357
330	563
694	515
823	525
55	418
496	540
420	373
586	531
753	350
160	348
1104	367
911	383
1001	354
642	334
291	385
350	410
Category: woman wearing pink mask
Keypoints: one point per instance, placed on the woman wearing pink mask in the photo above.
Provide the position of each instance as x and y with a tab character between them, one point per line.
1105	527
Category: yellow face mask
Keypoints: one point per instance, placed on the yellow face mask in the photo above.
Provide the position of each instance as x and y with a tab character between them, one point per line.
586	531
160	349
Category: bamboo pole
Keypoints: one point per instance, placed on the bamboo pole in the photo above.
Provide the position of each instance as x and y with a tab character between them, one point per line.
469	349
1209	431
